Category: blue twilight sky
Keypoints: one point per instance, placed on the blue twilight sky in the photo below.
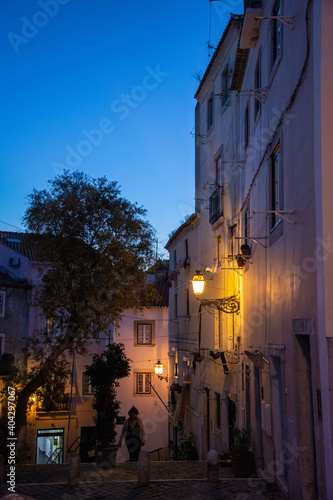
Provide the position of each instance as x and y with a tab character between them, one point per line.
105	87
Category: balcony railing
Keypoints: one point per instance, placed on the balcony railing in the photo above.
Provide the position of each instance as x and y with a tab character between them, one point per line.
215	205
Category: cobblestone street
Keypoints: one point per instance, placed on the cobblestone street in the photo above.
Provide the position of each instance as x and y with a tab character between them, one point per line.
168	480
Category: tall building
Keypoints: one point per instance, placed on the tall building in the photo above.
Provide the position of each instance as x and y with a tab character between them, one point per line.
261	236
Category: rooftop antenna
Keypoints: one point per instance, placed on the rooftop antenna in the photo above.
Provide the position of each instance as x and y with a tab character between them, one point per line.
209	45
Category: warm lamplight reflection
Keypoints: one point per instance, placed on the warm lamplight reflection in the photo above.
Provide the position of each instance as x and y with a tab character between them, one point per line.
158	368
198	283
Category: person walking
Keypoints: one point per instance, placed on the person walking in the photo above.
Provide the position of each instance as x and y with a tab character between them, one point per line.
134	434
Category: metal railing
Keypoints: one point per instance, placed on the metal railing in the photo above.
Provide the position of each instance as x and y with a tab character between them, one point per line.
57	452
215	205
78	441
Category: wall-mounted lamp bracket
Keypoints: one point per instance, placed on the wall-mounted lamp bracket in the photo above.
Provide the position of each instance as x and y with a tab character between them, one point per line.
228	305
259	94
287	21
279	213
253	238
238	163
199	139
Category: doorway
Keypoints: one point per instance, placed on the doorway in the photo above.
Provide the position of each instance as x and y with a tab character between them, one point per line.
305	410
88	441
50	446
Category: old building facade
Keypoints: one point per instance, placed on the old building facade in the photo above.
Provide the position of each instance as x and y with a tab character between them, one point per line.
267	244
66	422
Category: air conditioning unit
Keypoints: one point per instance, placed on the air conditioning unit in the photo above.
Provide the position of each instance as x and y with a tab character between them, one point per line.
251	26
14	261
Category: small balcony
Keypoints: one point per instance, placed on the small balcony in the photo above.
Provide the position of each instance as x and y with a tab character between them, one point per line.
215	205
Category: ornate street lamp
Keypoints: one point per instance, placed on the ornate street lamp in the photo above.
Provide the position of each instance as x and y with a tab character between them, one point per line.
158	368
228	304
198	284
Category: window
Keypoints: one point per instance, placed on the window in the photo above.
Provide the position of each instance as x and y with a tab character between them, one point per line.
86	384
48	441
225	86
187	301
232	241
246	127
144	333
246	225
218	329
210	112
54	326
176	305
2	304
176	370
257	85
218	171
143	380
218	409
219	250
186	248
275	34
275	186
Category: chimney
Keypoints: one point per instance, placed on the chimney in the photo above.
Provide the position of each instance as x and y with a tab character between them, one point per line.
252	4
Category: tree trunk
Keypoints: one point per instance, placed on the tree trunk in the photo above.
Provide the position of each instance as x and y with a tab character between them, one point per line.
39	380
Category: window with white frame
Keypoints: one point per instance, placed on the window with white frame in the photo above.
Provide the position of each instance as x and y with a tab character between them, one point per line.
219	250
187	301
2	304
225	86
143	383
186	249
247	126
246	225
144	333
257	85
218	329
218	171
275	185
86	384
210	111
232	230
275	35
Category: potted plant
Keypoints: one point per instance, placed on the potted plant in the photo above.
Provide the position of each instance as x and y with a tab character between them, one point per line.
242	458
104	372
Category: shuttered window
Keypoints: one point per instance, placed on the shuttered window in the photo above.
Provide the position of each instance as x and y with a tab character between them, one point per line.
144	333
143	383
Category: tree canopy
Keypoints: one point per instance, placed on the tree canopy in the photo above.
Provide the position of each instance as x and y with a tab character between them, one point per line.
97	247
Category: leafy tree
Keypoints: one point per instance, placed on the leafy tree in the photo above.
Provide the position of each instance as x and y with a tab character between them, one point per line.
104	372
98	246
181	222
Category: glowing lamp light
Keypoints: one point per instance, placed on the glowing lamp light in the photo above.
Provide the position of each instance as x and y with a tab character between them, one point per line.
198	283
158	368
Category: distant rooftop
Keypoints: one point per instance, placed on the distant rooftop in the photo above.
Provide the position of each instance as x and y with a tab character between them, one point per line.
7	281
234	19
22	243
